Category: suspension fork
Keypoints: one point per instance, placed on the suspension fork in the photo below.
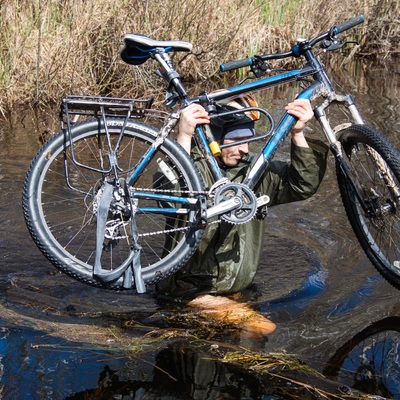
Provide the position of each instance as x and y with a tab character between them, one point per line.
336	148
335	145
320	115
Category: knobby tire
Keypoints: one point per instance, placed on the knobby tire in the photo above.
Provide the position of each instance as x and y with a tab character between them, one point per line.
378	230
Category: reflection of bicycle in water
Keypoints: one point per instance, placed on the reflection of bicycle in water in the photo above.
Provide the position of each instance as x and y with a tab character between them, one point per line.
370	361
95	209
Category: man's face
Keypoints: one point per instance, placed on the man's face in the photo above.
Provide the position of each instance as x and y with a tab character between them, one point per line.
231	156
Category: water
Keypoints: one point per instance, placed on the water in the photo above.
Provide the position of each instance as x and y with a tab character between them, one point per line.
60	339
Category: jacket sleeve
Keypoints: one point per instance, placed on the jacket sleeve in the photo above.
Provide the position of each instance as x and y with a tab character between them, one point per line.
300	178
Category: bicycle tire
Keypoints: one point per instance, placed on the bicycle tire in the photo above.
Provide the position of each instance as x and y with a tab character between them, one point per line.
62	222
379	231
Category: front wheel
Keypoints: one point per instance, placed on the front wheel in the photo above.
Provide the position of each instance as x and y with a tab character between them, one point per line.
63	193
372	197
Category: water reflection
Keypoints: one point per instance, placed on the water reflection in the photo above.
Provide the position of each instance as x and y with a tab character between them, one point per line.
370	361
37	366
50	368
314	283
180	371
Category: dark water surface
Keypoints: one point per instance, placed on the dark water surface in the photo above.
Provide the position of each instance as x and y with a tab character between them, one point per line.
331	307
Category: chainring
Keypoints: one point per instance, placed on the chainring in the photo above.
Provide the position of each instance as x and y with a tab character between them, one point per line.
249	202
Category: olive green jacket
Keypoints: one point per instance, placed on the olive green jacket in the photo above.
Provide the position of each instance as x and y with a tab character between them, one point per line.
227	258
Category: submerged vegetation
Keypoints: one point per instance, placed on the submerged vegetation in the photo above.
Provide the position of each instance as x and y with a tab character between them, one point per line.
54	47
185	350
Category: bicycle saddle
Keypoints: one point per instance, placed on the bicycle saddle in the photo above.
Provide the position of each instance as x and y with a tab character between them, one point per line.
137	48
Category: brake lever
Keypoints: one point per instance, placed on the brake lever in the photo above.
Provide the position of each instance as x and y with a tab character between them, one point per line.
246	78
335	44
260	67
351	42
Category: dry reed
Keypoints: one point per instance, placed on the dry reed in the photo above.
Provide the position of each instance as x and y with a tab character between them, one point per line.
53	47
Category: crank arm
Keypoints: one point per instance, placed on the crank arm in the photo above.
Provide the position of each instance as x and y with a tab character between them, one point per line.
106	276
103	275
224	207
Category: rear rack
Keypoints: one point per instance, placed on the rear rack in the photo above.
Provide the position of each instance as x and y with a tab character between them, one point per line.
75	109
103	107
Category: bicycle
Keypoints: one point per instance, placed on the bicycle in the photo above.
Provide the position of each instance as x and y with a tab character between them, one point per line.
105	195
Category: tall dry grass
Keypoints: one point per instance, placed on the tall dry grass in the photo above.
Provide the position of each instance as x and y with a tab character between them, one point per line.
53	47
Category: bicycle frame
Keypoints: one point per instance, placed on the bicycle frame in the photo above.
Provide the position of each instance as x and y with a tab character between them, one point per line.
320	86
159	51
313	70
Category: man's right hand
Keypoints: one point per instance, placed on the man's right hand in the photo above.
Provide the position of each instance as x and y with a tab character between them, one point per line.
191	116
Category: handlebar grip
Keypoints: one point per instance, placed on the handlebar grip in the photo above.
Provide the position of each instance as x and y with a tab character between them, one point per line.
246	62
349	24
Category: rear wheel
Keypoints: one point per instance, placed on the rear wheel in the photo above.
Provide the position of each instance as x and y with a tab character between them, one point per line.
374	166
61	213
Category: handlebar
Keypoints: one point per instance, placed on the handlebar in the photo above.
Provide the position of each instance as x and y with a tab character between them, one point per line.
246	62
350	24
296	50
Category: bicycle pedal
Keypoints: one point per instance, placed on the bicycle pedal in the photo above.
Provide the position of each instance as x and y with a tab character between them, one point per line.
262	200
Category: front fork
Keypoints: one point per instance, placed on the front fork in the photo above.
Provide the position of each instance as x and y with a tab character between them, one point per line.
336	147
320	115
337	150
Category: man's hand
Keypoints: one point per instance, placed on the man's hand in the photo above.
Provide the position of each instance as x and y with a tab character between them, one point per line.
192	115
300	108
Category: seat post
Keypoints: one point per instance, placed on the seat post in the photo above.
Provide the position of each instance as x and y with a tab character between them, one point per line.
169	73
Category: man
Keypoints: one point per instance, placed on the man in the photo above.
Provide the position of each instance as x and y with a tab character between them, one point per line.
228	255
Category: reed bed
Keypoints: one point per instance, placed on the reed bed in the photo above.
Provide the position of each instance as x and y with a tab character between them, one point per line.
53	47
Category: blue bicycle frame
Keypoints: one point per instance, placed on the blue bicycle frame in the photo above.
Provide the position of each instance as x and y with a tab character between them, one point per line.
282	129
312	69
260	165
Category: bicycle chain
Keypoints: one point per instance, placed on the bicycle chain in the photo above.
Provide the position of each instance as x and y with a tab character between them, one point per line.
194	192
173	230
173	191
